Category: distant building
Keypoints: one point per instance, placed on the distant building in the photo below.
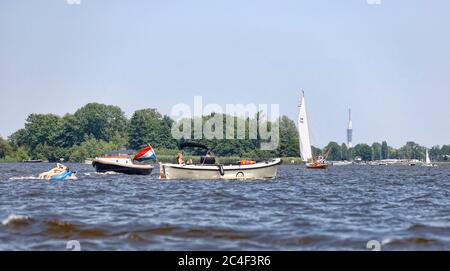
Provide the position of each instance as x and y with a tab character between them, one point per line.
350	130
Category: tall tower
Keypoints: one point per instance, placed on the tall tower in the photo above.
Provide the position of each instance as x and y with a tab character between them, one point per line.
350	130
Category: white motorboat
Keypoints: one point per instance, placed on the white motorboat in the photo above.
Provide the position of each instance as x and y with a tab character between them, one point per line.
260	170
208	169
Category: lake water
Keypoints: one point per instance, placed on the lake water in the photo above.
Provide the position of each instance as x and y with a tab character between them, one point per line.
402	208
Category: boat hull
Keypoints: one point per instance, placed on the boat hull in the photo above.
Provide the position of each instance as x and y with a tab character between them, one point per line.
102	166
259	171
317	165
32	161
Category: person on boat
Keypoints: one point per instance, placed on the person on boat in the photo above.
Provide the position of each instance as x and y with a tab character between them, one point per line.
62	167
320	161
180	159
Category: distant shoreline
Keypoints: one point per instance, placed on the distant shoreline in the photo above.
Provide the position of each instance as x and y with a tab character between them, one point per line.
96	128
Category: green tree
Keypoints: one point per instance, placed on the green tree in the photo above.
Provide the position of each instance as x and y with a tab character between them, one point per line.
334	151
289	142
101	121
412	150
435	153
376	151
19	154
393	153
70	133
19	138
384	150
148	126
242	147
50	153
316	151
89	148
364	151
40	130
445	152
5	148
351	154
345	155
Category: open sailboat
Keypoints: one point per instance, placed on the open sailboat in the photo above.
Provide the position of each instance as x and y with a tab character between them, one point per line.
427	159
305	142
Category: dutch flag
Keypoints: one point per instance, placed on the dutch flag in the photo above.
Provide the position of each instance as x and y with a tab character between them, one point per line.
145	154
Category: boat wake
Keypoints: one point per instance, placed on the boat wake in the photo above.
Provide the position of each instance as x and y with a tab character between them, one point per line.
108	173
24	178
72	178
36	178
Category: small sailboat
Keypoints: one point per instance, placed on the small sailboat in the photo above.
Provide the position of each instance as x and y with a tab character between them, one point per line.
305	141
318	163
427	159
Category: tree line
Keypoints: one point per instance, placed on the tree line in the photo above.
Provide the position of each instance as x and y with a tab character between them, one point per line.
97	128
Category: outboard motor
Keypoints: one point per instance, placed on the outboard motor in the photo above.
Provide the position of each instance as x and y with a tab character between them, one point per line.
221	170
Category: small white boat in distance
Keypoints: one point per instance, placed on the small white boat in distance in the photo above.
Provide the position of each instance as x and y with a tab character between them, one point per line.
341	163
208	169
427	159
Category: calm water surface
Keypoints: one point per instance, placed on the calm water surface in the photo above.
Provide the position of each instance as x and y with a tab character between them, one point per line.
404	208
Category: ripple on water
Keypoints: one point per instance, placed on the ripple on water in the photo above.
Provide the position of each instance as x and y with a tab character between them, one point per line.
414	242
421	228
17	221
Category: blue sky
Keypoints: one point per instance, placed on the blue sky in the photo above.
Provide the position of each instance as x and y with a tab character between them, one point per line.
390	63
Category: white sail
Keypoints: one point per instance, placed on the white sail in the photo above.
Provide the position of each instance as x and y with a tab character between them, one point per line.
303	132
427	159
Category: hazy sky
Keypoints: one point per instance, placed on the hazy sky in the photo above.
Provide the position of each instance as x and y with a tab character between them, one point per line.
390	63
